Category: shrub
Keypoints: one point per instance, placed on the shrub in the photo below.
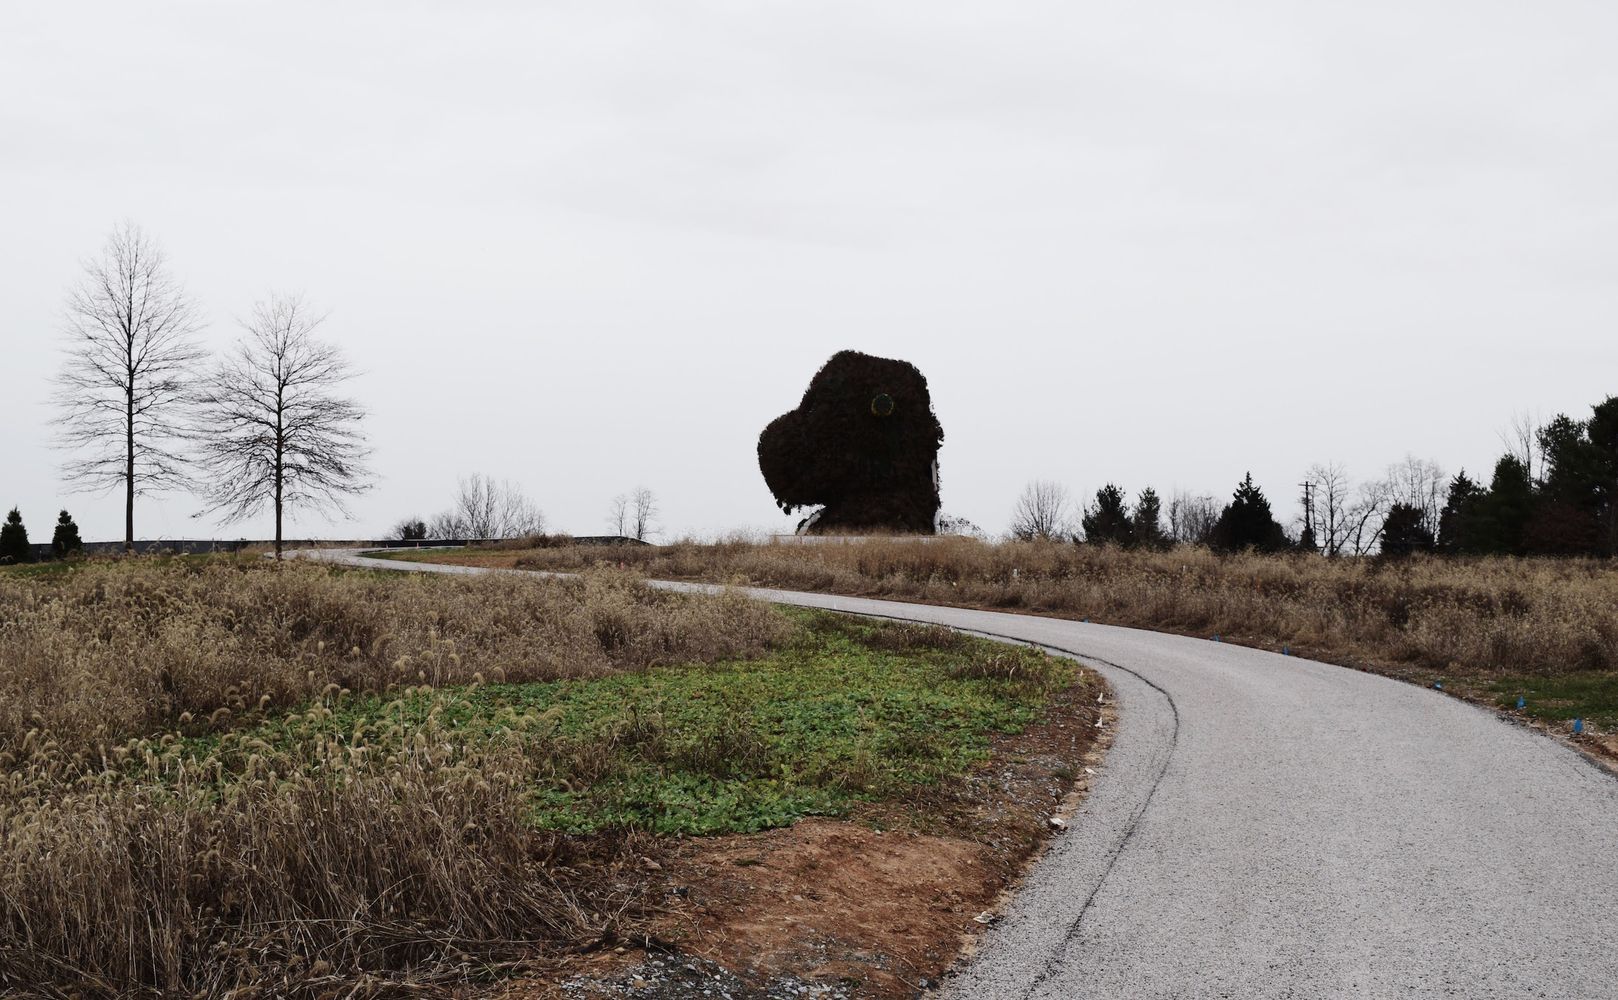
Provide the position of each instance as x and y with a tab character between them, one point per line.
65	540
14	547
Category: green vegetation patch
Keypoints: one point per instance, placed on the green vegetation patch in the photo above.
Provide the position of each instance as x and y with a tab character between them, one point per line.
847	711
1589	695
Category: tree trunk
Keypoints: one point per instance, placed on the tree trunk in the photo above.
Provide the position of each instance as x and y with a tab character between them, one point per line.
129	467
279	473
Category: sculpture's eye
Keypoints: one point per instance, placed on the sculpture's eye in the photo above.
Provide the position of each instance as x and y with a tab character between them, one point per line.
882	405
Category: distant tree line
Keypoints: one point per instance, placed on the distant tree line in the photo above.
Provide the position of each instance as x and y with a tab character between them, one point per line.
482	508
1555	492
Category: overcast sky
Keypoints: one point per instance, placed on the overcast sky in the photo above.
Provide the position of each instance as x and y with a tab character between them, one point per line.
590	245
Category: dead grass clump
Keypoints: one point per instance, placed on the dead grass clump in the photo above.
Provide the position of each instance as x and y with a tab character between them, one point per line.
306	869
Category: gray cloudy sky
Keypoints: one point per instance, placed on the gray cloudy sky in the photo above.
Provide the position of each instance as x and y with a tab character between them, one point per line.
590	244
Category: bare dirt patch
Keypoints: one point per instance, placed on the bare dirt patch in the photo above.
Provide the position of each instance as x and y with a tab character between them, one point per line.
875	906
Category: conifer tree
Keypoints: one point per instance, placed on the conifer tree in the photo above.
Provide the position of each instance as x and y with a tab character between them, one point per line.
1247	523
1403	533
1107	521
14	547
1504	512
66	539
1306	540
1458	521
1147	521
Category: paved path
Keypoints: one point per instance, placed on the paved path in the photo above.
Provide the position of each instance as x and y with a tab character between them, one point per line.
1267	826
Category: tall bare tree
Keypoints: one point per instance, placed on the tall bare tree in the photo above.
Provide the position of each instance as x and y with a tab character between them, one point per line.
121	391
1044	510
271	429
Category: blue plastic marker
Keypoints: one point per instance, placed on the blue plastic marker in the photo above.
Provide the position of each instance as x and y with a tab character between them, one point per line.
1286	650
1578	727
1216	638
1521	703
1438	685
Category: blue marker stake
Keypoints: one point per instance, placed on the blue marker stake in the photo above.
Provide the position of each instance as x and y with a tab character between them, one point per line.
1286	650
1578	727
1216	638
1438	685
1522	703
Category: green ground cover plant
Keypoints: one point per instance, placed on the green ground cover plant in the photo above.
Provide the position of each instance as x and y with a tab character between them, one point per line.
842	712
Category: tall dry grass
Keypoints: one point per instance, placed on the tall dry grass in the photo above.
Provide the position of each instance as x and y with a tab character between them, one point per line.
151	846
1487	615
116	650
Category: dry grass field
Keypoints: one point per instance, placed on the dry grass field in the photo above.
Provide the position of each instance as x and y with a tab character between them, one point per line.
1491	628
227	777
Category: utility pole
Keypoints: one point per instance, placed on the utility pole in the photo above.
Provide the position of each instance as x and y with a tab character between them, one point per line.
1308	508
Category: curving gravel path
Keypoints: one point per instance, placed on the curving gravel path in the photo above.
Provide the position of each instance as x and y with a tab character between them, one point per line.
1267	826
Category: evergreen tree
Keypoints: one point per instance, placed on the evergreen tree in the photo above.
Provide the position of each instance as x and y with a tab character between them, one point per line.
1504	512
1566	507
1458	529
66	539
1108	521
1247	523
1601	431
1306	540
1147	521
14	547
1403	532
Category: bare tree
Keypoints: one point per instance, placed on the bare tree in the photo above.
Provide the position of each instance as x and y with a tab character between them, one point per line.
630	514
618	515
1333	496
1043	511
1419	483
130	360
642	508
1192	517
269	428
1365	516
1520	438
484	508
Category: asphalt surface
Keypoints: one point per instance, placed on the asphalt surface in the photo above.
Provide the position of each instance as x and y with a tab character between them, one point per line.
1266	826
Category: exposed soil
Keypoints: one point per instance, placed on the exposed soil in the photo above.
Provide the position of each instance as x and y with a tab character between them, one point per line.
878	905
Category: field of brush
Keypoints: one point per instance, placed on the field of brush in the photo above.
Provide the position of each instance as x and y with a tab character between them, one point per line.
232	777
1494	629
